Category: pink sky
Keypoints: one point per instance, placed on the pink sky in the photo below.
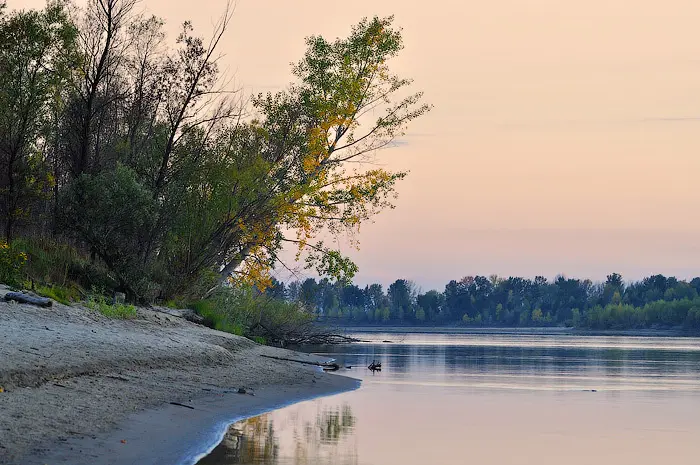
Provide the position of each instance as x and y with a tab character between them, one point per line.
564	137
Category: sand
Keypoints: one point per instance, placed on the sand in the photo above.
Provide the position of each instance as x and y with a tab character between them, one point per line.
82	388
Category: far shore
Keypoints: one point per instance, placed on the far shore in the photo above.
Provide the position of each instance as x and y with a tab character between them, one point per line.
80	388
545	330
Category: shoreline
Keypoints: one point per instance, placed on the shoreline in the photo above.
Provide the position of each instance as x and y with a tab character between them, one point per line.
545	330
348	384
76	384
174	435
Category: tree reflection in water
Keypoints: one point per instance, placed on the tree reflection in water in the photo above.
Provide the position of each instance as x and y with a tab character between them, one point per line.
306	434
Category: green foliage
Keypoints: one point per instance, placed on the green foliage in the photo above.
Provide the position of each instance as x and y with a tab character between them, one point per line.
221	319
575	317
114	213
117	310
537	316
132	151
524	318
660	313
12	262
55	264
260	340
37	49
654	302
243	311
60	294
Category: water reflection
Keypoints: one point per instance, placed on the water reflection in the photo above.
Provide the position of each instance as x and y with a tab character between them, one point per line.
527	362
256	441
612	400
249	441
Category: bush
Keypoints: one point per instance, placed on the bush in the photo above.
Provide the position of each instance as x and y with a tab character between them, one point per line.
118	311
58	264
114	214
246	312
12	262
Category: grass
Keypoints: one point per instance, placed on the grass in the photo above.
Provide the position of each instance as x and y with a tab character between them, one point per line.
260	340
116	311
215	318
60	294
53	264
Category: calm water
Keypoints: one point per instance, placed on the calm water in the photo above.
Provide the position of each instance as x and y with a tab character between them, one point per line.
491	399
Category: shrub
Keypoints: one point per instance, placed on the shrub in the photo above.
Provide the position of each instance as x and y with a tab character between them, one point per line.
54	263
244	311
64	295
12	262
117	310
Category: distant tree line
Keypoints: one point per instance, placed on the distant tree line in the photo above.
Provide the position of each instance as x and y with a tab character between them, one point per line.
133	152
654	302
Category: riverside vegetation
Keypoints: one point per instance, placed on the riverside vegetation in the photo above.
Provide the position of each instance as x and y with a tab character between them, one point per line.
655	302
128	164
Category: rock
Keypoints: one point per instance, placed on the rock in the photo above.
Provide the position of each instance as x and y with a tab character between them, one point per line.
187	314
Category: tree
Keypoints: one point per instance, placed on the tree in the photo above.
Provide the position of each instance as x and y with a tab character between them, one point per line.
537	316
432	303
37	51
613	288
375	297
277	290
102	42
226	191
401	296
309	140
152	168
308	293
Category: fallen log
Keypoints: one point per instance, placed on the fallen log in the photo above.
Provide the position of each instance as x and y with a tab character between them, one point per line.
299	335
28	299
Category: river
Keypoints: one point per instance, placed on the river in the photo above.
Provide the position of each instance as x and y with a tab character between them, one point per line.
501	399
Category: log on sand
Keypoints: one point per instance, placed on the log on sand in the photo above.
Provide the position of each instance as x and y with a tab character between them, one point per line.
28	299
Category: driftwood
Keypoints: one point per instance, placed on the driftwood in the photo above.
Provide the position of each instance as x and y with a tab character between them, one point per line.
28	299
303	334
182	405
328	366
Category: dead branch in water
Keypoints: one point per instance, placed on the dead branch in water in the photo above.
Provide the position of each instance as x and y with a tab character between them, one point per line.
300	334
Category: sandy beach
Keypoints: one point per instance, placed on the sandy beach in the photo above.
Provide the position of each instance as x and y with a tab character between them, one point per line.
80	388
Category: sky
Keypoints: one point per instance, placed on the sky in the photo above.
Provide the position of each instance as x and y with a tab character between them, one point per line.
563	140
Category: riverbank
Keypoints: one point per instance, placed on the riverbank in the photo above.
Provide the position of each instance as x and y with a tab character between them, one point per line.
82	388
